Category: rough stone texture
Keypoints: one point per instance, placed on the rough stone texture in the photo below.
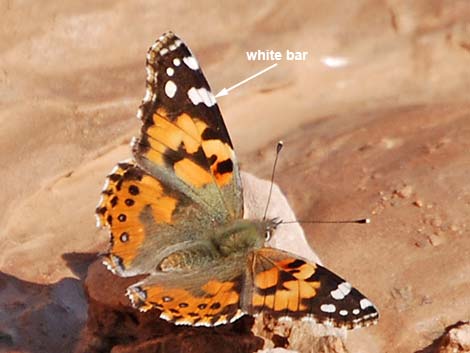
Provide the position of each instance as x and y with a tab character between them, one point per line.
456	340
386	136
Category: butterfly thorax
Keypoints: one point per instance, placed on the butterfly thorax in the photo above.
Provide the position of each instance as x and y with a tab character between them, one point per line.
230	240
241	236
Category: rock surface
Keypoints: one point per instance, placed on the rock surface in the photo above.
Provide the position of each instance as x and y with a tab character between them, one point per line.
456	340
386	136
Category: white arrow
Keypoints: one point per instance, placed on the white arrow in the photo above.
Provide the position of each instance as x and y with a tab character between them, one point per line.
225	91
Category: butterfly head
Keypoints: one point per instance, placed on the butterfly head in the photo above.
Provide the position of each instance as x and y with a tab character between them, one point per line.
244	235
270	225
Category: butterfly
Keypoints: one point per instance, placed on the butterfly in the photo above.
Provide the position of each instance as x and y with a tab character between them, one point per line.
175	212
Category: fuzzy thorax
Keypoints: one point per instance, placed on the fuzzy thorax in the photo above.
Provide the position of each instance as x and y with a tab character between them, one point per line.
242	236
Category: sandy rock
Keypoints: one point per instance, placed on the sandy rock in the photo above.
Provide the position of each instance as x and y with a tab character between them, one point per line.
456	340
396	111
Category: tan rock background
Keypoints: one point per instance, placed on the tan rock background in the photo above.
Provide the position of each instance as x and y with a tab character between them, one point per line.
386	136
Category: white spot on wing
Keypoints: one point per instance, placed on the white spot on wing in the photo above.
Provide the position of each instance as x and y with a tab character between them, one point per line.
365	303
202	323
170	71
343	312
133	141
115	169
328	308
176	62
201	95
163	51
98	221
106	184
191	62
220	321
237	315
150	73
342	291
356	311
165	316
285	319
308	318
148	95
170	89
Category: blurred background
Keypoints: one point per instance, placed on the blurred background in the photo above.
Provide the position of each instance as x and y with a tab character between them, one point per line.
376	123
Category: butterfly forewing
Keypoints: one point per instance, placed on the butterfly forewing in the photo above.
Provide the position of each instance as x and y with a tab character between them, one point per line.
184	141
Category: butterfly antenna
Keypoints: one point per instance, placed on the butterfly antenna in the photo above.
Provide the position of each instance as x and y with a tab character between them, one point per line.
279	146
358	221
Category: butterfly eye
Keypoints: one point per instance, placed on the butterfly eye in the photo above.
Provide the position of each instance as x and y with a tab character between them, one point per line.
267	235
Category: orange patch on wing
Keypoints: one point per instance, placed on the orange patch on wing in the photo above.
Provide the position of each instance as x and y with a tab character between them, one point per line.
305	271
222	290
258	300
187	124
124	201
282	300
223	152
186	131
182	306
163	209
156	152
172	135
267	278
191	173
269	301
306	289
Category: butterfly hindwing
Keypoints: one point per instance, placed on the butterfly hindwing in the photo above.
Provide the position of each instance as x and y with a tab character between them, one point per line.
206	296
285	285
184	141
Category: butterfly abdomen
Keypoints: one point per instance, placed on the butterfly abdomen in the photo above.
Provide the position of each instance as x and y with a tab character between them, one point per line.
189	257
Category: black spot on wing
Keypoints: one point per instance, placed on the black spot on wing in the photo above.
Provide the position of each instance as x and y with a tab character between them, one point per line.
296	263
114	201
225	166
101	210
134	190
215	305
210	134
267	291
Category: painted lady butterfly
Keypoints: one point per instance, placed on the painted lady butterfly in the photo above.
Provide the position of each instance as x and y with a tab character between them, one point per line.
175	212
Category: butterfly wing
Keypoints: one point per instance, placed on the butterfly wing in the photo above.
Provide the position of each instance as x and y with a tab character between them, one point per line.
184	141
285	285
202	297
184	181
145	218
